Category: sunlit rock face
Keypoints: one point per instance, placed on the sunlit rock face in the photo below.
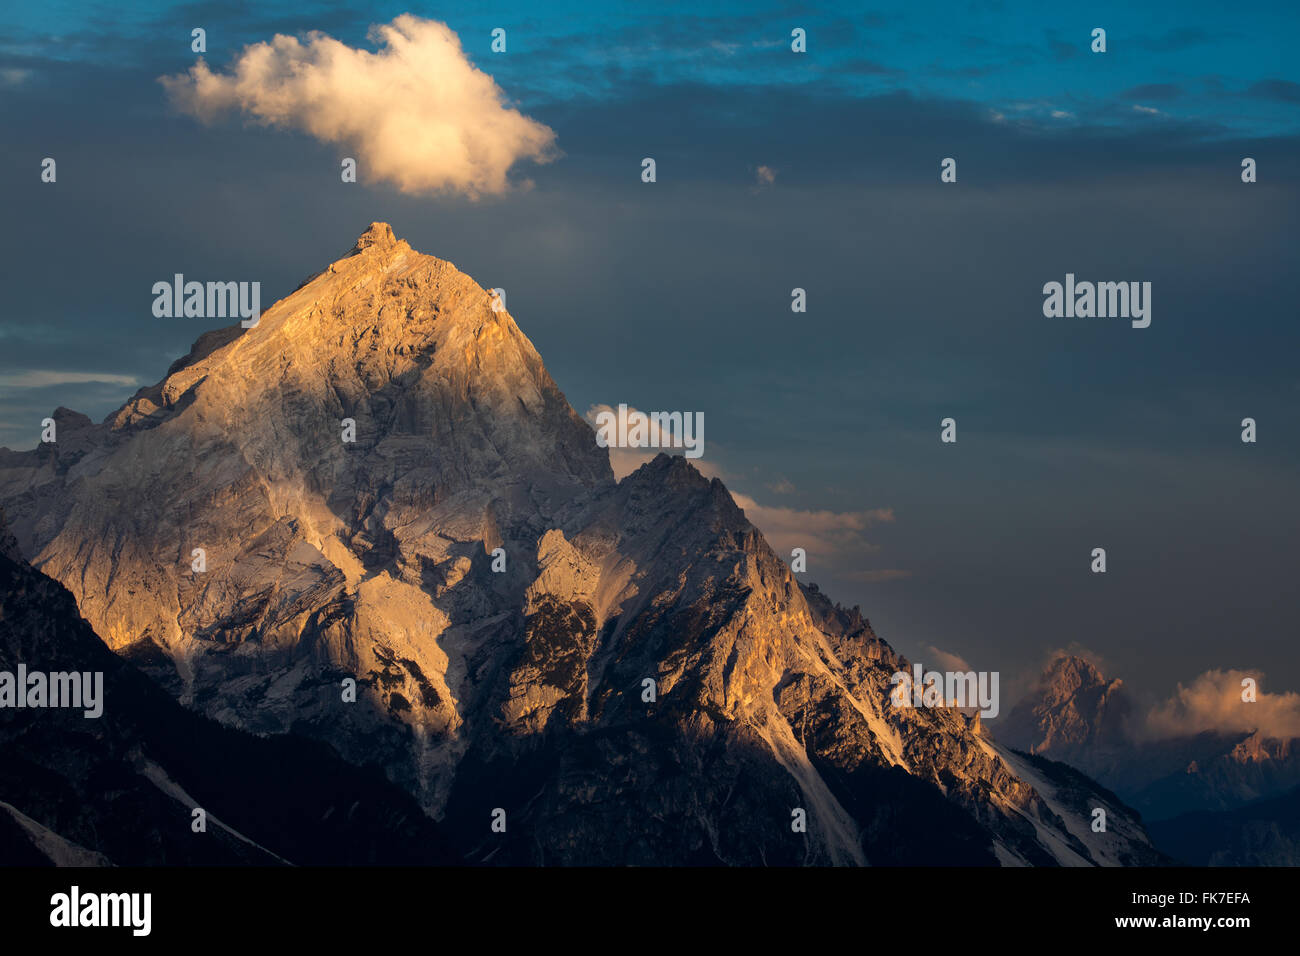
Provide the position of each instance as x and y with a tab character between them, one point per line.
126	777
625	669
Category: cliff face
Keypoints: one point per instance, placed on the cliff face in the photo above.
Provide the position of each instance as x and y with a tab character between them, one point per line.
633	677
121	788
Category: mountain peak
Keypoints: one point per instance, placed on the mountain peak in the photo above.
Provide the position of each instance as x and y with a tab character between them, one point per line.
377	234
1070	673
1074	706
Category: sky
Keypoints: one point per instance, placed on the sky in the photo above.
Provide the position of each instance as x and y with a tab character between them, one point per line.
775	170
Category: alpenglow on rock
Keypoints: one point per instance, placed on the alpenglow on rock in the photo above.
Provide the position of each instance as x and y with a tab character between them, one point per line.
524	689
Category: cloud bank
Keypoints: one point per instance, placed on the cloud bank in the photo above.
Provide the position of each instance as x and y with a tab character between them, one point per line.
1213	702
416	113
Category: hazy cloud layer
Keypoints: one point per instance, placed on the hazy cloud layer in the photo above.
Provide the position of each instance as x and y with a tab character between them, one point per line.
416	113
40	378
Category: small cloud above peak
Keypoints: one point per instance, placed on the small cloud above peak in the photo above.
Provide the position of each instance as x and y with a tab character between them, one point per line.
416	113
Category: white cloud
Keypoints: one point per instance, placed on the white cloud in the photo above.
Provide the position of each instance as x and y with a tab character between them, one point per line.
823	534
624	461
937	659
1149	110
1213	702
416	113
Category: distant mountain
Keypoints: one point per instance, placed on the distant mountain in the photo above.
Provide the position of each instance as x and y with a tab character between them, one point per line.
121	788
1075	713
1077	716
1213	772
1262	833
562	668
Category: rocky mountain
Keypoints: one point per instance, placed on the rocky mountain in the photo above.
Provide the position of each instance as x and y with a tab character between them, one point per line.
1074	711
121	787
562	668
1077	716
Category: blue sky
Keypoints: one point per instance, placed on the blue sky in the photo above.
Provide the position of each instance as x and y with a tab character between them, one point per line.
924	299
1207	63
